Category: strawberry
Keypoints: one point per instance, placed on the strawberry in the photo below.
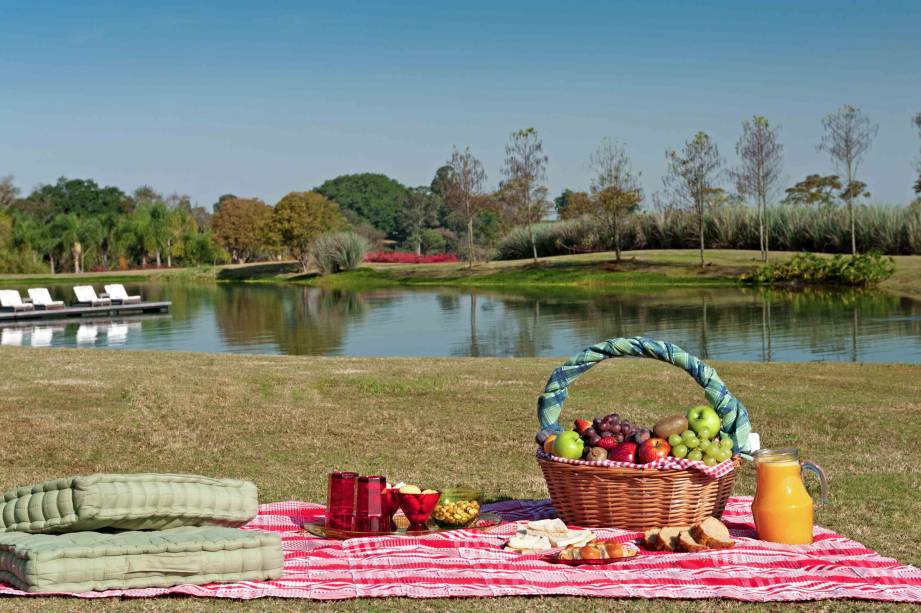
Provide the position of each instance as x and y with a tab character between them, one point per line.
607	442
582	425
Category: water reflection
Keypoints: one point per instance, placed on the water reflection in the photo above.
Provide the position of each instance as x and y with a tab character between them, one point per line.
726	323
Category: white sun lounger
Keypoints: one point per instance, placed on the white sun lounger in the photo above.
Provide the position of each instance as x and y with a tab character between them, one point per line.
41	298
86	296
10	299
117	293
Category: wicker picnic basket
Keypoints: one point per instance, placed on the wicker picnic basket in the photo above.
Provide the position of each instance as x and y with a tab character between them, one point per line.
636	498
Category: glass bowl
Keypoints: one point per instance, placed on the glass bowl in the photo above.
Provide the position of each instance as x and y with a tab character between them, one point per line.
457	500
418	507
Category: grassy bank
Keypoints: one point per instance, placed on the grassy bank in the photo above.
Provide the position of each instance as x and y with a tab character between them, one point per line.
284	422
595	272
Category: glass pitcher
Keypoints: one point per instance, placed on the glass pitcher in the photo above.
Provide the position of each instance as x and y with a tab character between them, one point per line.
782	506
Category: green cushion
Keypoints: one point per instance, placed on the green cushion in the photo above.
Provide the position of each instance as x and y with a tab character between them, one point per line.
128	502
85	561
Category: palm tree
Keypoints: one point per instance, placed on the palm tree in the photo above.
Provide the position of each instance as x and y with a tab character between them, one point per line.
65	235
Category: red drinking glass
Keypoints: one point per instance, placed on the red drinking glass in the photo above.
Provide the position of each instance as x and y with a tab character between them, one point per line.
340	500
372	505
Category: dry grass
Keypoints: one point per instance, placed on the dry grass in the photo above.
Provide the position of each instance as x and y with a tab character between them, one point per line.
284	422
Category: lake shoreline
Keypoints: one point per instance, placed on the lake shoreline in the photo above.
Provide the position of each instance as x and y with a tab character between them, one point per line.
593	273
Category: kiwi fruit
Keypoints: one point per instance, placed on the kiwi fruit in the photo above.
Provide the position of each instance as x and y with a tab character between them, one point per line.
673	424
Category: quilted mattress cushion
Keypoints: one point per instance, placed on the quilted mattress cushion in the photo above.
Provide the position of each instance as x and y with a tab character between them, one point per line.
143	501
85	561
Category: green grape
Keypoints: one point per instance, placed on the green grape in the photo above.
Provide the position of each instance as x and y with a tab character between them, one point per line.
712	448
724	455
695	454
680	450
705	433
675	439
710	460
688	435
692	443
726	443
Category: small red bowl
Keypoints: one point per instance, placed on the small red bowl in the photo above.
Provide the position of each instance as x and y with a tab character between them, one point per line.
418	507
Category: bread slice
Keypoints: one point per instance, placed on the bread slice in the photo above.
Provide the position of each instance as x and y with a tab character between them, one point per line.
687	543
668	538
651	539
573	537
712	533
548	527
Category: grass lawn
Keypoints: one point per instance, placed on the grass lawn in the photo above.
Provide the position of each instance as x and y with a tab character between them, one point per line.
285	422
594	272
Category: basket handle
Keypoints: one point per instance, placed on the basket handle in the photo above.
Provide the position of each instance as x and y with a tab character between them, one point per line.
733	413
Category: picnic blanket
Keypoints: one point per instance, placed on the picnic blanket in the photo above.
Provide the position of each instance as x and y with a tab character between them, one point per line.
470	563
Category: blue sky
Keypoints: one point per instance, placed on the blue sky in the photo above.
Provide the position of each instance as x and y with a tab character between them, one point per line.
259	99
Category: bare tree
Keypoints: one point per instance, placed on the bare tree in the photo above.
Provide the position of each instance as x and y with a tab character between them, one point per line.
848	136
758	174
916	121
464	191
693	178
525	167
8	192
615	192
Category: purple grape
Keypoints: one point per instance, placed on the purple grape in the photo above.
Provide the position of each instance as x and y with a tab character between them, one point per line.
619	438
606	434
597	423
614	417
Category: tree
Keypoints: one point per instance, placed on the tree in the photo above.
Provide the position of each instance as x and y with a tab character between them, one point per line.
562	202
374	199
525	169
758	174
848	136
64	239
814	190
615	193
916	121
300	217
464	192
240	226
81	196
693	177
90	234
9	193
181	228
419	213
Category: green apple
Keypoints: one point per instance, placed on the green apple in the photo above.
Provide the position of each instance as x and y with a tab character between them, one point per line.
704	417
568	445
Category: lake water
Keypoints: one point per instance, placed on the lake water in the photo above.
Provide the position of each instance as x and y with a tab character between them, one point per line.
727	324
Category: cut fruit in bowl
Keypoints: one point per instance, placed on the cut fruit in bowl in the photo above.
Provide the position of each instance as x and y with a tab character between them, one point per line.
417	505
458	507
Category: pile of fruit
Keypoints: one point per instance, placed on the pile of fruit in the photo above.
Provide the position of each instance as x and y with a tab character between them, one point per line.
694	436
458	513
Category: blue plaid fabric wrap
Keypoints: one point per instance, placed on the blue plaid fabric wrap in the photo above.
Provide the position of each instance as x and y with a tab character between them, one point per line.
733	413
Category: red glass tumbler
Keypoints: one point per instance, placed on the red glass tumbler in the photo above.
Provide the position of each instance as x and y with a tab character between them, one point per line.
340	500
372	507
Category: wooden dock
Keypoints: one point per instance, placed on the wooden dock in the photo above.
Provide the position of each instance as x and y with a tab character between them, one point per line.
82	311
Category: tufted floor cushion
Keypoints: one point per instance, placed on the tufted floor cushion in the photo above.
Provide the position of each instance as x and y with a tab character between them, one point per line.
144	501
85	561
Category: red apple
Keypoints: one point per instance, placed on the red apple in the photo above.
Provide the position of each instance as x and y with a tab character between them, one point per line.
582	425
652	450
624	452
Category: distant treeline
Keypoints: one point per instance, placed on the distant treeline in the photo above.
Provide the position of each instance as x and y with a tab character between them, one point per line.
75	224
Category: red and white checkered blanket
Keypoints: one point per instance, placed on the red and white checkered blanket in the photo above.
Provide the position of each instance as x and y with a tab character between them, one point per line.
472	563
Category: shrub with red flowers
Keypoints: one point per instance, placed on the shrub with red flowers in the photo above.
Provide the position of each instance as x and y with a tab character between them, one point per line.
404	257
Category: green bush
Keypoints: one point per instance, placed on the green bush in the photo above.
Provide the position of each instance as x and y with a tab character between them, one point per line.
338	252
551	238
859	270
20	262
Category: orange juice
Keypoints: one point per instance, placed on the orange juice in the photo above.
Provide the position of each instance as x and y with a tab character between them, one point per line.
782	506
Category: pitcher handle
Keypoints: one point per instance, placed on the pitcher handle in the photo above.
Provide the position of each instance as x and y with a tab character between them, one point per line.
820	473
